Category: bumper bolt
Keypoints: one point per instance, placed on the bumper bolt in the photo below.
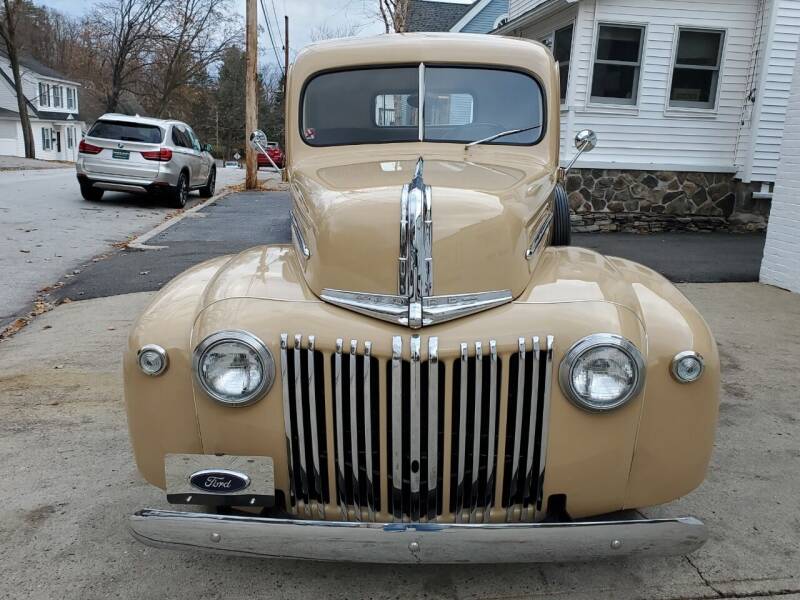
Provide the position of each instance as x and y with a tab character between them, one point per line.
616	545
414	547
215	537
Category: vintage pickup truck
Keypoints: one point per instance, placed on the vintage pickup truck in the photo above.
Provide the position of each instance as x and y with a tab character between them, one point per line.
428	372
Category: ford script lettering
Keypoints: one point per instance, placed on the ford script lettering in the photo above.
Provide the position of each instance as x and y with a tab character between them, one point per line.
219	481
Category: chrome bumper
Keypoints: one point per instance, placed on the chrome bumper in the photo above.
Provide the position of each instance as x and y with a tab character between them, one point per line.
416	542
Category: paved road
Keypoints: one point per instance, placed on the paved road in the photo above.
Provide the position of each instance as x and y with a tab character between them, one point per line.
70	482
242	220
47	230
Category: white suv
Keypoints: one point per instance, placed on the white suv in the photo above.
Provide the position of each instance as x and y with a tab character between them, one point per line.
140	154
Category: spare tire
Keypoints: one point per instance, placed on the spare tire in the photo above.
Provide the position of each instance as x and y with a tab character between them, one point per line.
562	227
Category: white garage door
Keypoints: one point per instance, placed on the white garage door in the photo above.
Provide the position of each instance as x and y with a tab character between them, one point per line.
781	264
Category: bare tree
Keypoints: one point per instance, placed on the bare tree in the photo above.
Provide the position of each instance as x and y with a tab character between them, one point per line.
394	14
124	31
327	32
9	20
199	33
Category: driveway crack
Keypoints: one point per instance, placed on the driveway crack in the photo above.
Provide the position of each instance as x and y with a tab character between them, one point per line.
703	577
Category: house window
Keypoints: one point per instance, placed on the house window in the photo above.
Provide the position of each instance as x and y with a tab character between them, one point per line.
47	138
500	21
618	58
562	48
695	75
57	96
44	94
70	137
70	98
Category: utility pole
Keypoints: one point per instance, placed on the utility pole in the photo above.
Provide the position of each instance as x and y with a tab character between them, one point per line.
251	99
285	53
285	175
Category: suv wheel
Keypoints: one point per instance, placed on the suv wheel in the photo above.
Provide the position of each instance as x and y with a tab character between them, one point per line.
562	228
181	192
92	194
208	189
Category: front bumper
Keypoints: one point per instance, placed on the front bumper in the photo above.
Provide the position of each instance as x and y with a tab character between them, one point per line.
416	542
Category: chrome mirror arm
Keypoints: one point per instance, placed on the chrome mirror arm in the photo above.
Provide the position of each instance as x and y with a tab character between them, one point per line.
585	141
256	138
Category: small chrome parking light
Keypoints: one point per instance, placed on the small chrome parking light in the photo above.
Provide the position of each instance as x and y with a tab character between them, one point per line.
152	359
687	366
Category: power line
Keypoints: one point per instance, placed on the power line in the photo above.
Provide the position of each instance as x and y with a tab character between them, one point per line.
271	39
275	14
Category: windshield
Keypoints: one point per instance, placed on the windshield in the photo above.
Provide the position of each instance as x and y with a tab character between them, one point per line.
460	105
127	132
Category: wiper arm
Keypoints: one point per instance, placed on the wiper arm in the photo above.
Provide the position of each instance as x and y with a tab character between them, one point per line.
502	134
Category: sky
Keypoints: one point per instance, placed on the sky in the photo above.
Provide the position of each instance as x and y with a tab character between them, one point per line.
305	18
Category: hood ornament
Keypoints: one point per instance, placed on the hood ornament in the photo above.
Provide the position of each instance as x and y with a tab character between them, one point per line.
415	305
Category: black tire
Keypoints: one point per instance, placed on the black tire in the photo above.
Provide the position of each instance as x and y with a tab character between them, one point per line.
208	189
562	228
92	194
180	192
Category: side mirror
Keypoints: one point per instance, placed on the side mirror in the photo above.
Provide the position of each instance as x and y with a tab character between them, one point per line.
585	141
208	148
258	141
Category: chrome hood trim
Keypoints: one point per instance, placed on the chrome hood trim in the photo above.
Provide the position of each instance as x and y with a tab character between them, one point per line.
415	305
432	310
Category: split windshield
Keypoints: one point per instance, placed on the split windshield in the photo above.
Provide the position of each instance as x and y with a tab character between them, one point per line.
461	105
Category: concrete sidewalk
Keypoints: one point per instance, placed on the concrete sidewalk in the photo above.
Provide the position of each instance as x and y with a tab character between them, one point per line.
70	482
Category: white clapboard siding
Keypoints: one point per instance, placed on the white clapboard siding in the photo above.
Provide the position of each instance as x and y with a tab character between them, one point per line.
519	7
651	135
773	94
781	263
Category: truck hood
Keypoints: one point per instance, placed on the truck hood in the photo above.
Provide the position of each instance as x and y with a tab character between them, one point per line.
482	218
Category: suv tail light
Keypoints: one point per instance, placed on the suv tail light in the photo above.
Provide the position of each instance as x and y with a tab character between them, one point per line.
163	155
86	148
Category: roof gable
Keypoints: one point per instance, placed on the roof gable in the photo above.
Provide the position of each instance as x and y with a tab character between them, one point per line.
429	15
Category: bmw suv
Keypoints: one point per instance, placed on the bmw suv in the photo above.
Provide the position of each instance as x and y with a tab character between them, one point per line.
139	154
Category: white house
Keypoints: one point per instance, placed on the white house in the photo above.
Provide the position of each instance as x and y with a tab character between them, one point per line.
53	107
688	100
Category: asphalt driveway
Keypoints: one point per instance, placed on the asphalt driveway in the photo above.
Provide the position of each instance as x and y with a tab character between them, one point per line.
246	219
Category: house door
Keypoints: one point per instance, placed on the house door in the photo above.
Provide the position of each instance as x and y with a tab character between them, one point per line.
58	142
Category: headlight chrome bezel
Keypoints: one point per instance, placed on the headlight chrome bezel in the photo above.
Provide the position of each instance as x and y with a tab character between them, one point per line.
590	342
673	367
245	338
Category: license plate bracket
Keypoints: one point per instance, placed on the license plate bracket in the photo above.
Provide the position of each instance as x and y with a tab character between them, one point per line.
226	480
121	154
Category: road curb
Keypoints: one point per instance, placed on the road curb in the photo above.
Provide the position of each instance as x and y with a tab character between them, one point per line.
138	243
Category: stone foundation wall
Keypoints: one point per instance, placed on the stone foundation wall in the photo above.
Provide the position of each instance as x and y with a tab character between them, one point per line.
644	201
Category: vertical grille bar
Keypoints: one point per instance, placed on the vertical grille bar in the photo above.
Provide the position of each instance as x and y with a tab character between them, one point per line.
287	419
354	463
312	411
548	381
490	460
301	438
517	423
415	410
397	427
476	430
529	480
367	386
433	491
341	491
462	431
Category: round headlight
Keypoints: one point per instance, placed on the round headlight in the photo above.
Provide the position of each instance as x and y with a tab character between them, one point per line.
602	372
687	366
234	367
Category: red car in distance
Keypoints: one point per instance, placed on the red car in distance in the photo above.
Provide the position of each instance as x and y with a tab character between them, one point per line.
275	153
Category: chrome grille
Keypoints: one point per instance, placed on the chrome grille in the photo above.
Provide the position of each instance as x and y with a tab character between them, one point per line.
415	437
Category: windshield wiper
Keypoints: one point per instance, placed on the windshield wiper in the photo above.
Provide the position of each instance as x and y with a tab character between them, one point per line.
502	134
